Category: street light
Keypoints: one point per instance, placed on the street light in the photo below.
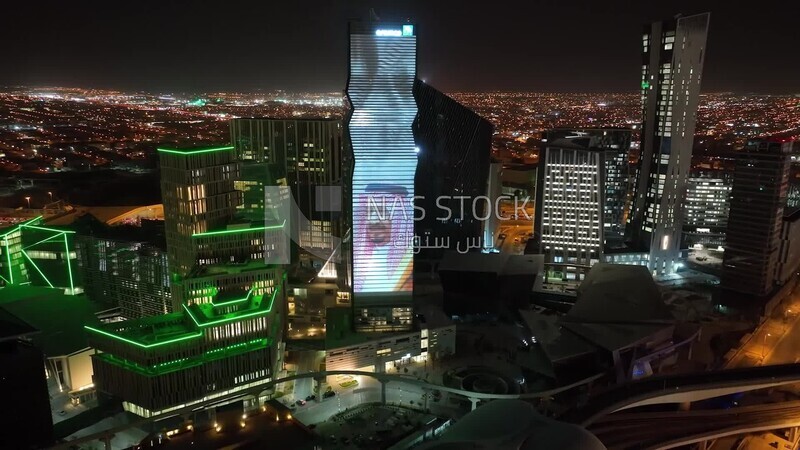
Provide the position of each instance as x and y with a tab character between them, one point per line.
764	347
51	196
28	199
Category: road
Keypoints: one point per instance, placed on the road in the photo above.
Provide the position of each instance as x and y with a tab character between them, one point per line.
649	430
368	391
307	361
775	341
516	232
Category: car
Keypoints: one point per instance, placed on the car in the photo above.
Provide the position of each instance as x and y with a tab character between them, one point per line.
62	413
300	402
516	239
502	236
345	440
311	397
328	394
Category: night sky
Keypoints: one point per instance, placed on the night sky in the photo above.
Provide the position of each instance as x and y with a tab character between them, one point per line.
300	45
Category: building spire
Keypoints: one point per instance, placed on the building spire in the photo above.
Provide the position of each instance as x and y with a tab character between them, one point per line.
373	16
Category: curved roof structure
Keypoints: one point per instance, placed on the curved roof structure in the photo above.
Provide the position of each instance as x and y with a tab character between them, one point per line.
513	424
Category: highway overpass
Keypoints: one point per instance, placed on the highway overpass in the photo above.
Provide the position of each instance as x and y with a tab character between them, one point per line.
682	388
666	430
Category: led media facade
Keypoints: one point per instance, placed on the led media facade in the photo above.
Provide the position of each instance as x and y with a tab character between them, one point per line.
380	90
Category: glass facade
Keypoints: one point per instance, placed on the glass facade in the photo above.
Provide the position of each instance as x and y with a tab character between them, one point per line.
672	66
383	108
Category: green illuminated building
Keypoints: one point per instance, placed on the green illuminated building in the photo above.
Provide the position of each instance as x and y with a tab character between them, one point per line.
34	254
225	334
198	196
203	223
204	351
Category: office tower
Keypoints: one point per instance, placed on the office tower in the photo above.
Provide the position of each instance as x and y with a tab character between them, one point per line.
672	66
202	225
226	332
758	197
125	267
455	145
165	363
29	424
581	194
380	90
306	156
706	208
197	189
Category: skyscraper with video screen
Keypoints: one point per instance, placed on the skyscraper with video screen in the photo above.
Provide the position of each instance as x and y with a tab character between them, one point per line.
672	67
382	69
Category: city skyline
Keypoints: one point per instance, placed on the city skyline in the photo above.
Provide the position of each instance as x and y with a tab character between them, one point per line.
167	47
384	265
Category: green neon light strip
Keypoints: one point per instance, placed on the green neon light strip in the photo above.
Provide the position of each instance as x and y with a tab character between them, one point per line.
5	279
185	363
27	222
43	241
47	229
69	266
37	268
238	300
235	318
8	256
240	230
194	152
139	344
10	231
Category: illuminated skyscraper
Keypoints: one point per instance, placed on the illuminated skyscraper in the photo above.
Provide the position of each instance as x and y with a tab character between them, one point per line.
197	189
380	89
671	71
580	194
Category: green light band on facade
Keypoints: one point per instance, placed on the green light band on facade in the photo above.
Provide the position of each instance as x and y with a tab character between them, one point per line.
240	230
5	279
24	253
139	344
52	230
8	256
231	302
237	317
185	363
10	231
69	266
194	151
55	236
27	222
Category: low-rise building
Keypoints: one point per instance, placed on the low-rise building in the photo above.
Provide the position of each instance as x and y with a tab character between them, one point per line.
381	352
